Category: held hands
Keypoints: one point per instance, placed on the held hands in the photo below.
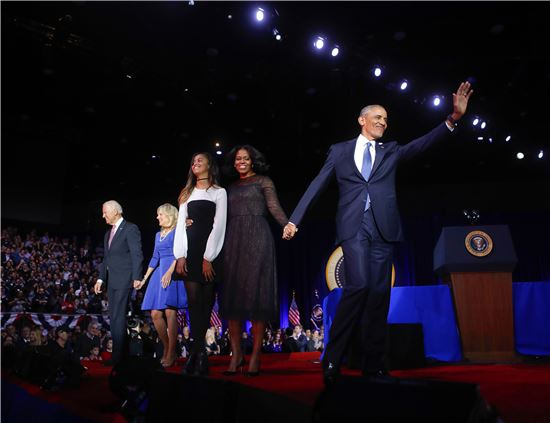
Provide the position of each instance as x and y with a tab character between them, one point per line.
139	284
289	231
166	279
208	270
97	287
181	266
460	100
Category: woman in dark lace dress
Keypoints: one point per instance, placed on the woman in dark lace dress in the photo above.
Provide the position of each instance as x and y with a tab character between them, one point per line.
250	274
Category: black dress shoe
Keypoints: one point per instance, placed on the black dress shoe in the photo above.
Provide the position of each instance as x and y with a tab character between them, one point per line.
330	373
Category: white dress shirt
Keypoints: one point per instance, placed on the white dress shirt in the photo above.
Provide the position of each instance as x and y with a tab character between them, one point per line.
360	146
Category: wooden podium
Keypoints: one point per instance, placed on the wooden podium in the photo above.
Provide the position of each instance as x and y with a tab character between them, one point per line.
478	262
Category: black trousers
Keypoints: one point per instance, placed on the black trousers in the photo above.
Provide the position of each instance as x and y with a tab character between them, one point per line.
200	299
365	300
118	308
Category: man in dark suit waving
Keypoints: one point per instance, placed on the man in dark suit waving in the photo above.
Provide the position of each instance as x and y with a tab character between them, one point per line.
367	226
121	269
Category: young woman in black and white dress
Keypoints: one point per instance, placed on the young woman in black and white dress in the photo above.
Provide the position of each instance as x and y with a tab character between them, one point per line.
197	247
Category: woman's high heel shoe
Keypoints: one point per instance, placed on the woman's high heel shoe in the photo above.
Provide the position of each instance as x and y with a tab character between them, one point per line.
234	372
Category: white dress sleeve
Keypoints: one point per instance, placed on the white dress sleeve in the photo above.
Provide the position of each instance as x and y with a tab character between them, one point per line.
180	237
217	236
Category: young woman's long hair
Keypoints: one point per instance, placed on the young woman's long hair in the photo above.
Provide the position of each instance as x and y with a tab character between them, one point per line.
213	172
259	163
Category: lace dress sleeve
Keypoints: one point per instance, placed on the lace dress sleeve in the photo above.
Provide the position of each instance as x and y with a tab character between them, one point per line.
272	201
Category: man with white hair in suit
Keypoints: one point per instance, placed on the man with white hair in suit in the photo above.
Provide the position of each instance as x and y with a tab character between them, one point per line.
120	269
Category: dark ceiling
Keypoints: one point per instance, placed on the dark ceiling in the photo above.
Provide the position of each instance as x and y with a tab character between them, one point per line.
91	91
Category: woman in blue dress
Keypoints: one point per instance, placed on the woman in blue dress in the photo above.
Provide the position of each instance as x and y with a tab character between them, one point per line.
164	295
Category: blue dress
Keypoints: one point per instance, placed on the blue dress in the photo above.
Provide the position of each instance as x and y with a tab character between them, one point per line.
156	297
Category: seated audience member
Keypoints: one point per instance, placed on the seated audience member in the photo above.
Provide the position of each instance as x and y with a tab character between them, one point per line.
88	340
315	343
289	344
276	344
212	347
107	352
63	367
94	355
299	337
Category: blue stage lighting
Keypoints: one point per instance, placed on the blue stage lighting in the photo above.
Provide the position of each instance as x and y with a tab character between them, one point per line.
377	72
475	122
404	85
335	51
436	101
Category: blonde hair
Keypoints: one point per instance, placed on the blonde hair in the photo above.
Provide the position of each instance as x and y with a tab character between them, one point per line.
171	212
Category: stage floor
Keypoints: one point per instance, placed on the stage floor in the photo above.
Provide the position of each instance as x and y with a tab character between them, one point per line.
519	392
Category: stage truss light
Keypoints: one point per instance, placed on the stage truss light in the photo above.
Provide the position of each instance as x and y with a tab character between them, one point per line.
483	125
277	34
404	85
335	51
436	101
319	43
377	71
520	155
475	121
508	138
260	14
541	154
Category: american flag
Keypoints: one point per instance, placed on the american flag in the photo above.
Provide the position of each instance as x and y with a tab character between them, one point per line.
293	312
214	316
183	320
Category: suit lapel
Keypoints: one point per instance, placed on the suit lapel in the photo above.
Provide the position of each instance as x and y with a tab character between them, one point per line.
350	156
380	153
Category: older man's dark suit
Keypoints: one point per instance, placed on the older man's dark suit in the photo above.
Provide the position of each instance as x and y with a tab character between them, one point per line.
122	264
367	240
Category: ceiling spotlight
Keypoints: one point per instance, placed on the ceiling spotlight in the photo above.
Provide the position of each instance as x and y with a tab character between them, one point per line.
319	43
508	138
217	144
229	16
480	138
404	85
277	34
483	125
541	154
520	155
490	140
377	72
436	101
475	122
219	152
154	156
335	51
260	14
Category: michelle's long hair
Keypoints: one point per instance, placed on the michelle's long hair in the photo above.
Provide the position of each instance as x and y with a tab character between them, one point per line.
213	172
